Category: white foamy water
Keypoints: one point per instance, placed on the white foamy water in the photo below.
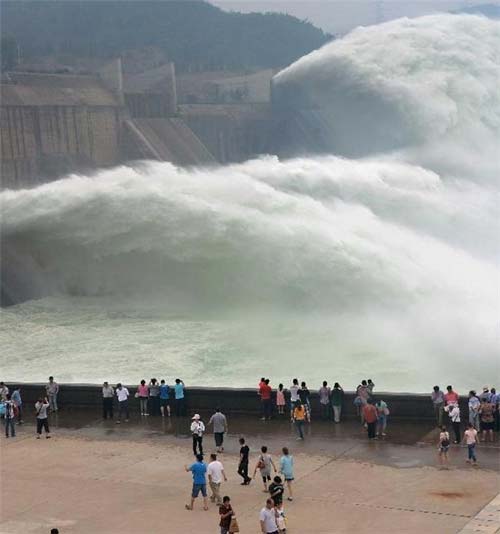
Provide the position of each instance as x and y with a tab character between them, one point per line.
324	267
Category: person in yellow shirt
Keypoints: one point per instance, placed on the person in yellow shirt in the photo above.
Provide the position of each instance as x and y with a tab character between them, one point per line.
299	416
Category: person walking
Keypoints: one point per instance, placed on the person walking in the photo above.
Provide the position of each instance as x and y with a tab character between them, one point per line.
52	389
216	474
42	418
294	396
286	469
443	446
336	399
280	400
199	472
268	518
18	404
324	401
370	417
164	398
474	405
299	417
122	395
243	463
179	391
276	491
10	416
304	396
154	397
108	394
226	514
143	396
487	419
264	465
382	414
197	430
470	438
450	397
265	396
438	402
219	422
454	414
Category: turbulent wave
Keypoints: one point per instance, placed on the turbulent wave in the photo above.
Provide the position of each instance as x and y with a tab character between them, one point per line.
395	251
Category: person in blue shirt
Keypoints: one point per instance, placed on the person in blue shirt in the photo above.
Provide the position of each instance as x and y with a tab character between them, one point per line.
199	472
16	399
286	469
164	398
179	397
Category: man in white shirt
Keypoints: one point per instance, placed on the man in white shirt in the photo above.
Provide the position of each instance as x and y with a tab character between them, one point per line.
52	389
215	473
294	396
122	395
197	430
268	518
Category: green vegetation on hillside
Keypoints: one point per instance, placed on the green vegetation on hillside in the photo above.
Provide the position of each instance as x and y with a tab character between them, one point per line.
193	33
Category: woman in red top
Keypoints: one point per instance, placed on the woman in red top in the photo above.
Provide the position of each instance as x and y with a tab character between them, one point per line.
370	416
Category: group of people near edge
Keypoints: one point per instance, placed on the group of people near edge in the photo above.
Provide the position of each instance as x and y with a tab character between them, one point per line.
158	398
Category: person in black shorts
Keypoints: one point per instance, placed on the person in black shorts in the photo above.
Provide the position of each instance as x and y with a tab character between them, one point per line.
243	464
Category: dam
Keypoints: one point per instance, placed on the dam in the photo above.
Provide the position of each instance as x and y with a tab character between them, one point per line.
234	231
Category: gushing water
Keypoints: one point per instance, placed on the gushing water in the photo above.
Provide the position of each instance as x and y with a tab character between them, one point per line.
321	267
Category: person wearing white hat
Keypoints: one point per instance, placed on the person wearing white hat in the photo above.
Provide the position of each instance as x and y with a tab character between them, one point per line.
197	430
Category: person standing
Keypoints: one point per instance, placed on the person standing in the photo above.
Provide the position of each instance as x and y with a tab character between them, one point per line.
243	463
280	400
361	399
450	397
370	386
294	396
268	518
154	397
443	446
324	401
485	394
370	417
18	403
199	472
197	430
337	398
216	474
474	405
42	418
487	419
438	402
122	395
454	414
304	397
164	398
143	396
107	400
52	389
286	469
4	390
382	414
265	396
219	422
179	397
264	465
226	513
10	417
495	401
470	438
276	490
299	417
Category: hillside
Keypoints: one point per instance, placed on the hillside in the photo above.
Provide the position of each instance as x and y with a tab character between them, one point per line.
193	34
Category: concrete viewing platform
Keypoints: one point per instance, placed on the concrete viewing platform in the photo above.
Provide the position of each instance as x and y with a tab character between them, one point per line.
96	476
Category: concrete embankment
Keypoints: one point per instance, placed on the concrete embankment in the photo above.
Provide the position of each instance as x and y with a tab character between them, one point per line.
231	400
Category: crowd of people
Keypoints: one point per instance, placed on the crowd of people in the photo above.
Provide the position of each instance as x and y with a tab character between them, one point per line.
157	398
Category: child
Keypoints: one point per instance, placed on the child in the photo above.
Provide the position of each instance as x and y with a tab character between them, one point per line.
280	400
470	437
264	465
443	446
